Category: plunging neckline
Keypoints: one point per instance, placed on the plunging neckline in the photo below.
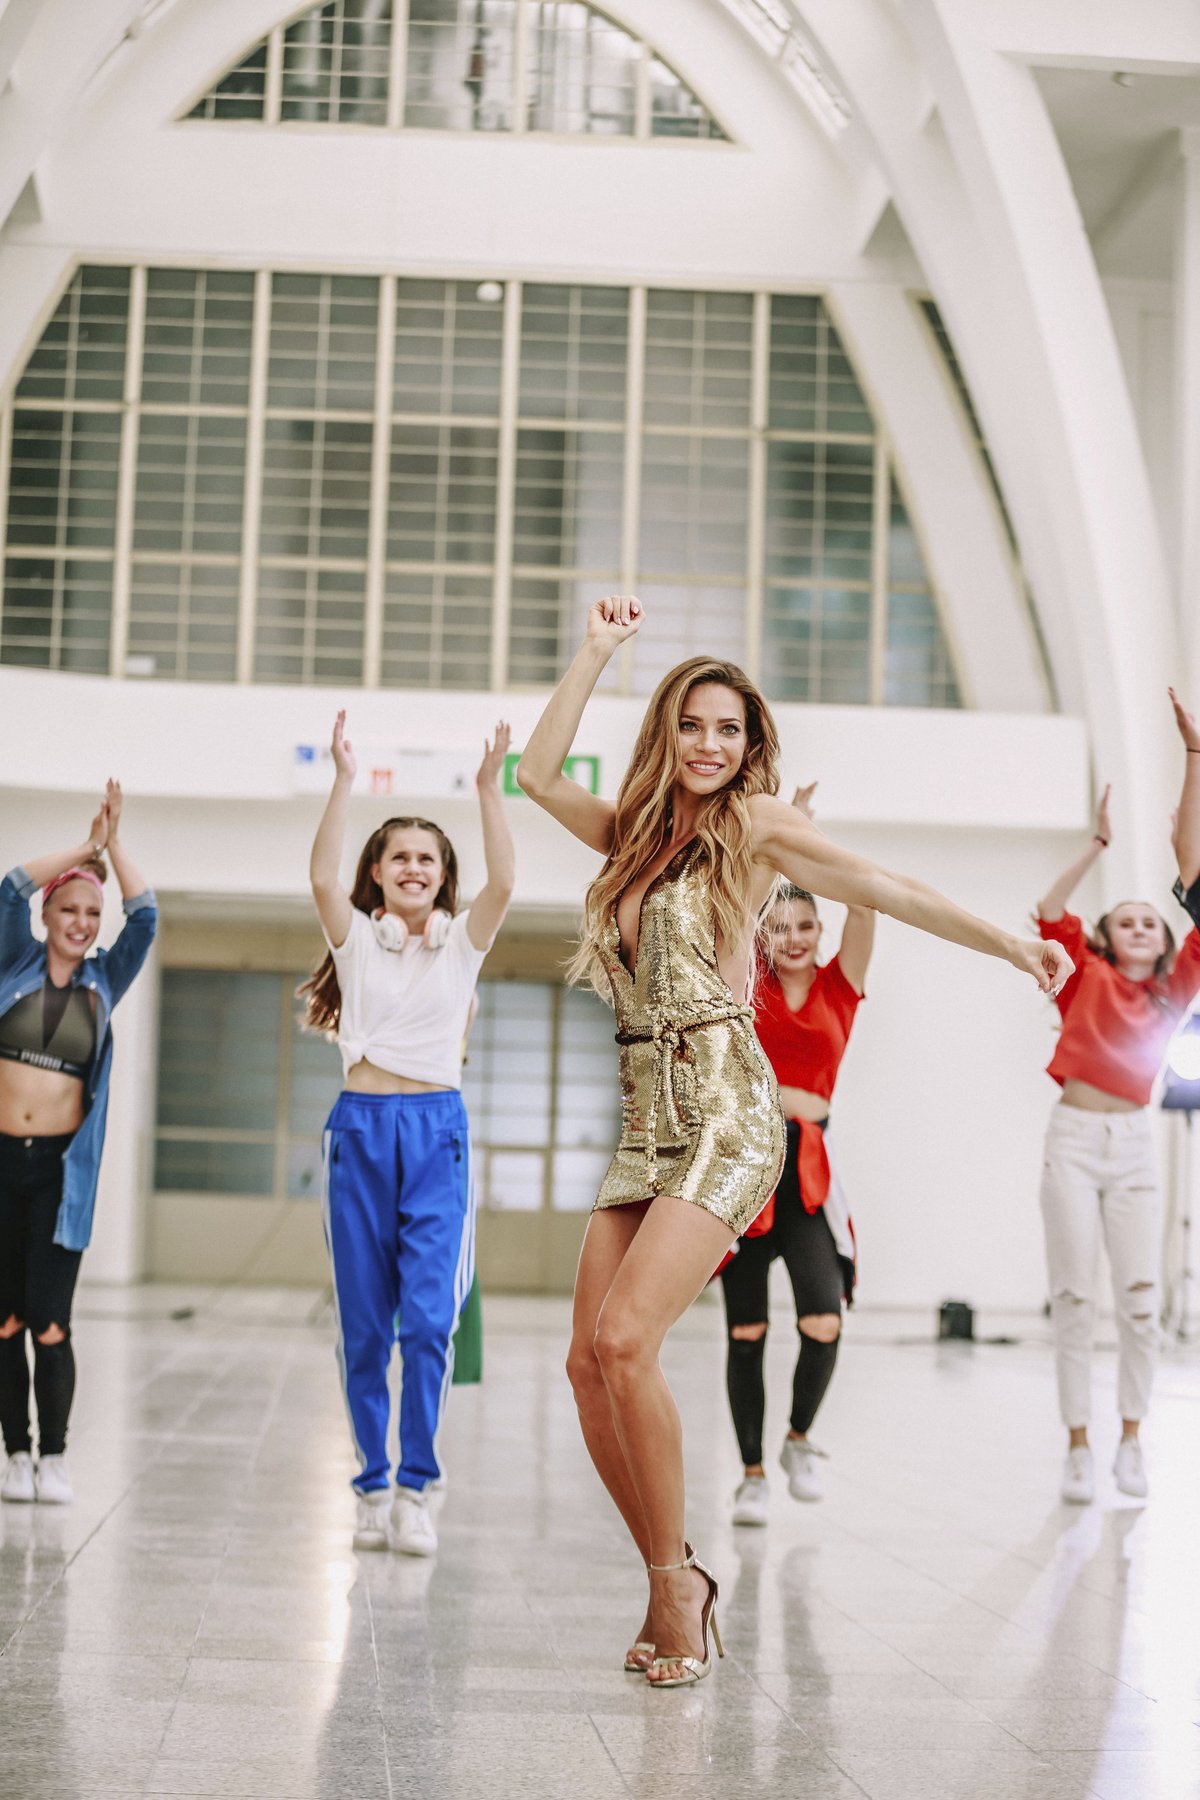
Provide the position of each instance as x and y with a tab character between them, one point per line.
650	887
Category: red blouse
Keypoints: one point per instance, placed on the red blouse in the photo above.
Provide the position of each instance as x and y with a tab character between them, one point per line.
805	1048
1115	1031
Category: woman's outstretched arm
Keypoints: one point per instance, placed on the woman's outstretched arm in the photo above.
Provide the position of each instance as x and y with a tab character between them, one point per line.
539	771
129	879
324	865
858	933
1053	903
788	843
491	902
41	869
1186	835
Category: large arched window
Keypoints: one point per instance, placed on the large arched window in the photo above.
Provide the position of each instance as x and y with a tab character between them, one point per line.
557	66
318	478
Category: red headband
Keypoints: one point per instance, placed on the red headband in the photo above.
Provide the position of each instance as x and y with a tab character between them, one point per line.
52	887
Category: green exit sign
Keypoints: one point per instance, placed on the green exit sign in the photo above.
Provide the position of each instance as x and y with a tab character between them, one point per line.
583	769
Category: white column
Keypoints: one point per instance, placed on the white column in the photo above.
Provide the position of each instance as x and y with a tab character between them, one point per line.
1187	400
117	1251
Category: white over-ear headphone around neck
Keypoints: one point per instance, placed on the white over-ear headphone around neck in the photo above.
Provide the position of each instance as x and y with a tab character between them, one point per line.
392	933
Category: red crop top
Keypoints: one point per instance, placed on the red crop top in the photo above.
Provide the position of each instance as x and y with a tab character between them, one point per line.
1114	1031
805	1048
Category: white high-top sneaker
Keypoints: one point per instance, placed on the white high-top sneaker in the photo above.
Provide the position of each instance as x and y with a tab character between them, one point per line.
1130	1470
52	1482
750	1501
371	1521
1078	1482
412	1527
18	1478
798	1459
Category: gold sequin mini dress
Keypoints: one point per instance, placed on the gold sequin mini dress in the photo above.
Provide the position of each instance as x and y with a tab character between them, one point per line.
700	1108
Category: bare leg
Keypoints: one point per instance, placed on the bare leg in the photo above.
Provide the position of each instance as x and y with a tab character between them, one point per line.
664	1267
609	1235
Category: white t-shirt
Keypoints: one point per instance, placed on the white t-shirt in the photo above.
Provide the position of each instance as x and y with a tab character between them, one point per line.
406	1010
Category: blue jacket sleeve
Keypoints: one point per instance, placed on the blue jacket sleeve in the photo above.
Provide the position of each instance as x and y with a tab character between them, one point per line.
16	934
131	949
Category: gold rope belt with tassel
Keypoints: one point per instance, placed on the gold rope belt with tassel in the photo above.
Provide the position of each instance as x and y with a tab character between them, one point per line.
669	1035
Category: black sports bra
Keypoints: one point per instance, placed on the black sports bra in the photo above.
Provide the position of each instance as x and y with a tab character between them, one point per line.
51	1028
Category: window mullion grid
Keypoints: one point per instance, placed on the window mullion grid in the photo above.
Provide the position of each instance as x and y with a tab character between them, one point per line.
520	104
635	389
381	451
880	534
556	1006
260	329
641	95
756	500
6	423
397	65
127	472
273	90
506	484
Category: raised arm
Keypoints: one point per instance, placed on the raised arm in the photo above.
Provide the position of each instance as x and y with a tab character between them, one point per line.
41	869
858	933
131	883
1186	833
789	843
491	902
539	771
1053	904
324	865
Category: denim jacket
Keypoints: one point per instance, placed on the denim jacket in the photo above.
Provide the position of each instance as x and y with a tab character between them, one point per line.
108	973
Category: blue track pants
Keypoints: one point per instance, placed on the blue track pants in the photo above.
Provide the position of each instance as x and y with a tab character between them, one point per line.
399	1222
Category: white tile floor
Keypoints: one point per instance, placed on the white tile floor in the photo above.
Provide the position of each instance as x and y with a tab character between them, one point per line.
198	1624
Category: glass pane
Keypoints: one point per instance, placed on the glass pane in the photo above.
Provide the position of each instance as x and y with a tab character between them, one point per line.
812	384
698	354
442	494
196	348
81	354
506	1079
190	482
918	669
57	614
200	1166
675	110
323	338
575	1177
582	72
568	502
63	480
819	511
514	1181
460	64
240	93
695	506
184	618
316	1078
218	1056
574	345
335	64
688	621
589	1100
448	348
437	630
305	1169
310	625
816	644
547	620
316	488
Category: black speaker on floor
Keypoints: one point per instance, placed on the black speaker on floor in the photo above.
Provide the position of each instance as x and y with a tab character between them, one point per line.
956	1320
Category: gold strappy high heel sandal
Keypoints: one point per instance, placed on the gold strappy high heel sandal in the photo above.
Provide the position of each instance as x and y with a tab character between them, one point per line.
641	1649
695	1669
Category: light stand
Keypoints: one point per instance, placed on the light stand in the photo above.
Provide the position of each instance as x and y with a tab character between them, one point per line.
1181	1093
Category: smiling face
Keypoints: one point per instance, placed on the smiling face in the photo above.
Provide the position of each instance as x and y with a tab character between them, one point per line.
410	873
793	936
1138	937
711	738
72	920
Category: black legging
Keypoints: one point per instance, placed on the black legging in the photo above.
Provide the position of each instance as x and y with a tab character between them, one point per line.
818	1279
37	1286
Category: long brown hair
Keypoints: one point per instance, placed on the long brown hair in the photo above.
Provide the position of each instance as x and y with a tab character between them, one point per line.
643	819
321	993
1101	942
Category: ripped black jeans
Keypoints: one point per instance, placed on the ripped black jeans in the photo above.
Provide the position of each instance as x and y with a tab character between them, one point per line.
37	1286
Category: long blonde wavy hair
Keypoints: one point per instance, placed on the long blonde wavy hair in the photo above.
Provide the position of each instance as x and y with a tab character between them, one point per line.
643	821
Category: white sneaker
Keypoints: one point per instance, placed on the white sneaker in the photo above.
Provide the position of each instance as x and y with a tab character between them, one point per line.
18	1478
52	1482
798	1459
1130	1470
371	1521
750	1501
1078	1482
412	1527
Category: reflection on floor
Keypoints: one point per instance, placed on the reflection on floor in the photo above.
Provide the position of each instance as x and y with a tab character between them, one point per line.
198	1623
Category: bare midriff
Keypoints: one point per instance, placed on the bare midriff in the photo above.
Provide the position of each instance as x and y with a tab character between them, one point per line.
366	1078
1086	1098
798	1103
38	1102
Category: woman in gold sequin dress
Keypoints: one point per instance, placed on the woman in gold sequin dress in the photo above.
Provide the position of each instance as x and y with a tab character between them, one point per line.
692	850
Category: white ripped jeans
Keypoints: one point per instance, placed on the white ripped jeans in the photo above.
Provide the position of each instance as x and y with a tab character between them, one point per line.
1099	1177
